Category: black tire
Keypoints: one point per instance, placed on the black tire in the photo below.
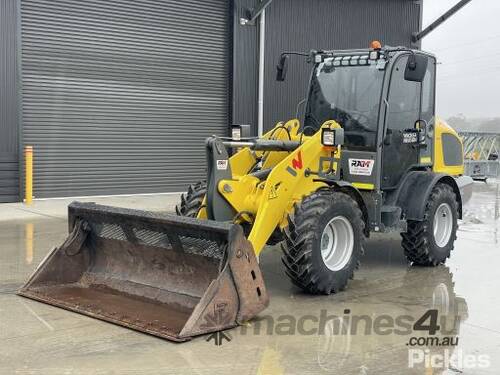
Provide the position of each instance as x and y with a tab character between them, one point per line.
302	246
191	202
419	243
276	237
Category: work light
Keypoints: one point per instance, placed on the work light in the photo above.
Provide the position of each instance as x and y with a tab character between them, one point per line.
328	137
236	133
332	137
374	55
239	132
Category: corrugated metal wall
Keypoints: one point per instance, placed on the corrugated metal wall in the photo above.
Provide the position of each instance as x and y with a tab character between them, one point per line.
113	89
118	95
299	25
9	166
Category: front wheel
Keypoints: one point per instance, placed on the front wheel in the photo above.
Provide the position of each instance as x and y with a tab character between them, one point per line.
191	202
323	242
429	242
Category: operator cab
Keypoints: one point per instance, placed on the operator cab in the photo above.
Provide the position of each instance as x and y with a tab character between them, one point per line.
384	100
346	89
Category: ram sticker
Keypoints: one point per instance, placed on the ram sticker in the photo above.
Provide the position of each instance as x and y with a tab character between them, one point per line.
361	167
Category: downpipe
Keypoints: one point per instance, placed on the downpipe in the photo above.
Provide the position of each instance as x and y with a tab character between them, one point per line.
262	56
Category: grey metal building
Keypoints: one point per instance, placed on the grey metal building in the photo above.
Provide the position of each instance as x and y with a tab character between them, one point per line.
117	96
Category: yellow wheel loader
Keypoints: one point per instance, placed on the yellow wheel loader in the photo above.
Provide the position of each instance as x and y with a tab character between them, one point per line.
370	156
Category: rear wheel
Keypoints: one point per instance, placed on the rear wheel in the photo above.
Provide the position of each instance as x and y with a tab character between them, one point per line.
429	242
191	202
323	242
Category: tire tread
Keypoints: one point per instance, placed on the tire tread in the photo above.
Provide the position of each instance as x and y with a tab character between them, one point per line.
415	241
302	232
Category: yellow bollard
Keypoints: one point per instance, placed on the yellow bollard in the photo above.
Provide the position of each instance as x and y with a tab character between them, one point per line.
28	159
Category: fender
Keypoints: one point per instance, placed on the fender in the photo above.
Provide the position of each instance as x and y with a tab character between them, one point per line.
354	193
416	189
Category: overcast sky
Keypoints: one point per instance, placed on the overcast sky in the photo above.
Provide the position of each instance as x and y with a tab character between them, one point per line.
468	48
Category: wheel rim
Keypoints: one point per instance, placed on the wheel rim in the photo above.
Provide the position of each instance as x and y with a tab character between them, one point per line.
337	243
333	346
441	299
443	224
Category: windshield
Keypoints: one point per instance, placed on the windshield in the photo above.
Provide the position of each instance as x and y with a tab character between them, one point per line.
349	95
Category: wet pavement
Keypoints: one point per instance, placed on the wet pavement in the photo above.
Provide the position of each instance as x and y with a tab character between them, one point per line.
368	329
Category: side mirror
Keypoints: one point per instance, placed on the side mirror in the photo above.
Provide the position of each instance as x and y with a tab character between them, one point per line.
421	127
388	137
282	68
416	68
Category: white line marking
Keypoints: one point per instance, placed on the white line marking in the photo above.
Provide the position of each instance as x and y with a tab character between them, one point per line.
37	316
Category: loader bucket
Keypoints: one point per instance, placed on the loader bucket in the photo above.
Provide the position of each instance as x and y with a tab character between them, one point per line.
169	276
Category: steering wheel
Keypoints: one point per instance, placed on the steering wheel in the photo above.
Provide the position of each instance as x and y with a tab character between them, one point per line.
356	115
316	121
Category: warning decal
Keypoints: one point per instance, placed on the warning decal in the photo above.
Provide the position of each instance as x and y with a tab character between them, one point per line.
361	167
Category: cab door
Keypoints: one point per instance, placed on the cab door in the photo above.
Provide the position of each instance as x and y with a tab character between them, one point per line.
402	112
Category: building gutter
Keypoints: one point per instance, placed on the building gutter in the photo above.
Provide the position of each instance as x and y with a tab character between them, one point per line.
262	50
252	15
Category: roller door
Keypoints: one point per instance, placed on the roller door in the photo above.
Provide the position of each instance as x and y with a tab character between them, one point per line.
118	96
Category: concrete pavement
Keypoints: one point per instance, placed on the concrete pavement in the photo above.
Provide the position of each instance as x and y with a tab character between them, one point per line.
57	208
362	335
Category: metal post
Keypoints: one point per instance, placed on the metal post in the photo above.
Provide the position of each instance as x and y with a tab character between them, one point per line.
28	179
418	36
262	50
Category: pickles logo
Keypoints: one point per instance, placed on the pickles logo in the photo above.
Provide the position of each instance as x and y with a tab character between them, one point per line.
297	165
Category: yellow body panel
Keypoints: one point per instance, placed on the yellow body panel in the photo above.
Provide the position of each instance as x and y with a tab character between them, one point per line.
242	162
266	204
426	160
244	194
439	166
363	186
271	159
202	214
